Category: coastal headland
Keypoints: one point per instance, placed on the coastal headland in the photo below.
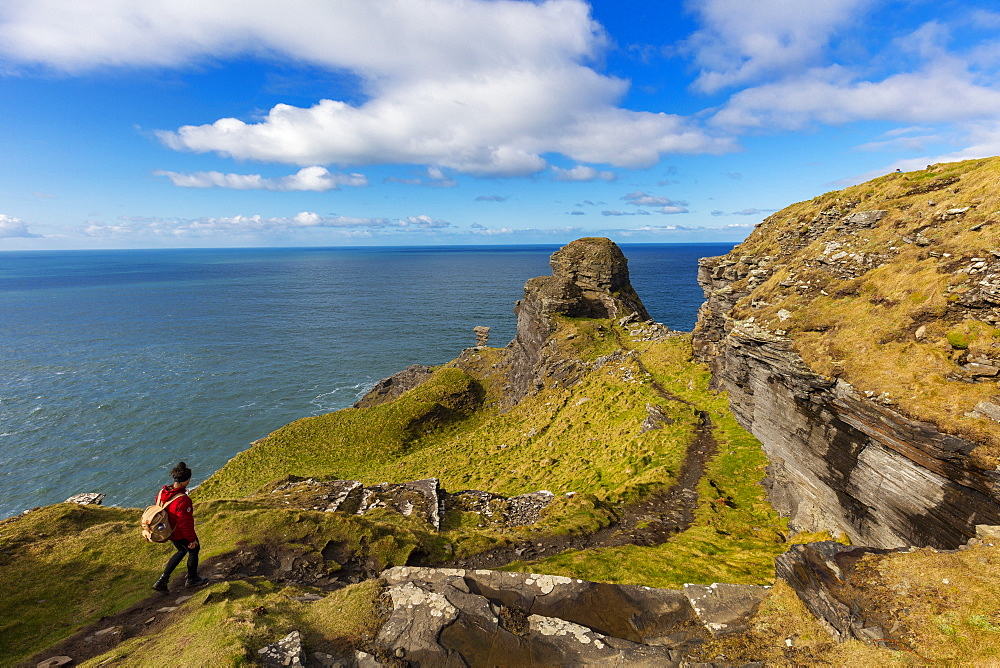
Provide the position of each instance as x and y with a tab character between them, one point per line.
811	476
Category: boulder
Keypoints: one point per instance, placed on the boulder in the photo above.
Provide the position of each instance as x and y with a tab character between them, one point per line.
420	497
87	499
442	621
865	218
286	652
54	662
725	608
645	615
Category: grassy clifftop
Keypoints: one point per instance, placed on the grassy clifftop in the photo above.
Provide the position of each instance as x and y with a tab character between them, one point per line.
654	484
611	421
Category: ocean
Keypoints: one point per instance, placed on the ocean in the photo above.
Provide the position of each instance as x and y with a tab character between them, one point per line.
116	365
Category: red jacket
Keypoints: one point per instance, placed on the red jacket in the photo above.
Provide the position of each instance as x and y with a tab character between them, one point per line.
181	513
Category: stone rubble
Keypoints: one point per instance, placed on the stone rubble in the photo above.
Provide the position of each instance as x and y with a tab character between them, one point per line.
422	498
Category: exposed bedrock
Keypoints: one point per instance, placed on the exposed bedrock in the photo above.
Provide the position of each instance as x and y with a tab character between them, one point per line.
589	279
487	618
840	461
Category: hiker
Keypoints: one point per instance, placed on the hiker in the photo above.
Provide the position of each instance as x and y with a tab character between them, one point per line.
183	537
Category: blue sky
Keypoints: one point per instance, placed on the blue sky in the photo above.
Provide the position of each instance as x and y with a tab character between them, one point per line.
185	123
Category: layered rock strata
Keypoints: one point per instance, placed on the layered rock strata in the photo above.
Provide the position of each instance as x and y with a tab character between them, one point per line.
479	618
840	460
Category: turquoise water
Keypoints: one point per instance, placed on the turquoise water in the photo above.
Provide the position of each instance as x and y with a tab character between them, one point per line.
117	364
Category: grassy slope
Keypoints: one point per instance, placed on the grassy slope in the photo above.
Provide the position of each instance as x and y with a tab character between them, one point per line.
218	626
65	566
863	329
728	542
584	439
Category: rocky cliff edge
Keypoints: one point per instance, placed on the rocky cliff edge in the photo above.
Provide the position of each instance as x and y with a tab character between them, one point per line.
857	334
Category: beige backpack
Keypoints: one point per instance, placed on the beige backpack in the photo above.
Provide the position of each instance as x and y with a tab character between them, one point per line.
155	521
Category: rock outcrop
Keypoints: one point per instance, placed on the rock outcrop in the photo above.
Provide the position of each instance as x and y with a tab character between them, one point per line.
481	618
419	498
840	461
392	387
589	280
843	459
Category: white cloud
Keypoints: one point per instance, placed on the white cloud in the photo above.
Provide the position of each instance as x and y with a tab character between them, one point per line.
314	178
581	173
257	225
479	87
436	178
940	92
665	204
742	212
14	228
744	42
616	212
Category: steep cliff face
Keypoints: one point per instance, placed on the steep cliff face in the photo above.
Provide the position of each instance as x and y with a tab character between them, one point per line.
856	335
589	280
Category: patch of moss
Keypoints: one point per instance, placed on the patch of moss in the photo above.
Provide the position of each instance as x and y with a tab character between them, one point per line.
958	340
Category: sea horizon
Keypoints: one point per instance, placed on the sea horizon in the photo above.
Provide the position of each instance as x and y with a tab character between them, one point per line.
124	361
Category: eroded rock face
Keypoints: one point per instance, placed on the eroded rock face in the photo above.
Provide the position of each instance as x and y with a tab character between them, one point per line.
645	615
821	575
419	497
840	461
589	280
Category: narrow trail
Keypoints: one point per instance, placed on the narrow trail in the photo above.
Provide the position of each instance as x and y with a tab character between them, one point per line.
649	522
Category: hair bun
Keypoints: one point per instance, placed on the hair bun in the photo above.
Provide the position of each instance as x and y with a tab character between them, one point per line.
182	465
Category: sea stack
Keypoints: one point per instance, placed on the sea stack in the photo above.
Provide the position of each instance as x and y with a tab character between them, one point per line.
589	279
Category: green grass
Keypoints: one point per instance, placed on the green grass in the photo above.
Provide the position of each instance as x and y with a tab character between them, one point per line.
349	443
87	562
225	625
65	566
734	541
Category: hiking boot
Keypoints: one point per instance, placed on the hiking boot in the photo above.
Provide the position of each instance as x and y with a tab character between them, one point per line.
161	586
199	582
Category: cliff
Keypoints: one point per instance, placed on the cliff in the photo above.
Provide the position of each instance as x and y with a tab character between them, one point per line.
582	496
856	334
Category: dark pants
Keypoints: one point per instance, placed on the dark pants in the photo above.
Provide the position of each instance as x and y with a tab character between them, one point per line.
192	555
